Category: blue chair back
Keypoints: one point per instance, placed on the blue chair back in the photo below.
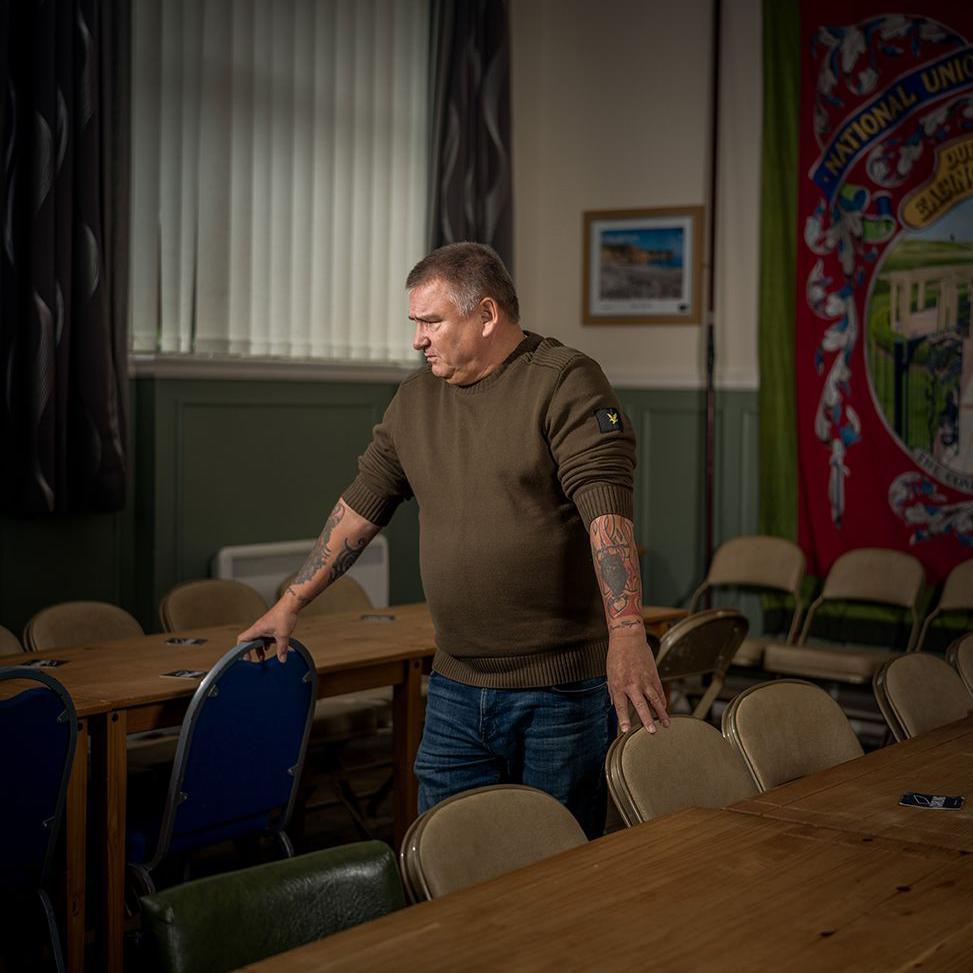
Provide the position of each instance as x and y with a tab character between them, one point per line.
240	751
39	730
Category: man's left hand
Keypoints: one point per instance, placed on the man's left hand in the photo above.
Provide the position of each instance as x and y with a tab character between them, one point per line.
633	677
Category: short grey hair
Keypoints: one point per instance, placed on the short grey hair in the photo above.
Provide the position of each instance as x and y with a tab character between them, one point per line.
471	272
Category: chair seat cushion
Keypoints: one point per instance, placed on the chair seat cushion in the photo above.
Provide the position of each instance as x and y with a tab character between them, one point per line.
751	652
818	662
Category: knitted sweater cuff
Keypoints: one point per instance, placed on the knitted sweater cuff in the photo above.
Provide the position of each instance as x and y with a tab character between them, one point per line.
604	498
375	509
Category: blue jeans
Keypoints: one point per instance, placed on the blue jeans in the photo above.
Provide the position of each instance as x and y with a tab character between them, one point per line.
554	739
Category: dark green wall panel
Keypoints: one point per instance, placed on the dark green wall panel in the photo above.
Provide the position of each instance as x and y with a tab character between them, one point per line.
248	462
670	427
219	463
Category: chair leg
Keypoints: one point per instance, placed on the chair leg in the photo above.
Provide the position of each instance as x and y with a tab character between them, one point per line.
139	883
52	930
285	844
709	697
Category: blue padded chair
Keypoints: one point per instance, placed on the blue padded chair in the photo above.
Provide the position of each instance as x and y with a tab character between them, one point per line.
238	761
39	728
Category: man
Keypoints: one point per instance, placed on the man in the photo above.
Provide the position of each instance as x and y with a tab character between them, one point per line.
522	463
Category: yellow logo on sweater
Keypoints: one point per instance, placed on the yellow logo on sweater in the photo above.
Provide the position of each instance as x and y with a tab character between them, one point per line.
609	420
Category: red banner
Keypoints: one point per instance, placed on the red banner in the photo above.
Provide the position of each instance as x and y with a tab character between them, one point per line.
884	348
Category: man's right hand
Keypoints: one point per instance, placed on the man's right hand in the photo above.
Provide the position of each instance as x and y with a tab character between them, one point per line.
277	624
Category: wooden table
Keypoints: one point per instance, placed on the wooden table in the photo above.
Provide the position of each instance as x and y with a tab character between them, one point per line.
861	796
118	688
696	891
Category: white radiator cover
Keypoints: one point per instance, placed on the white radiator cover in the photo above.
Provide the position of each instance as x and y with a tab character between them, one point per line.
264	566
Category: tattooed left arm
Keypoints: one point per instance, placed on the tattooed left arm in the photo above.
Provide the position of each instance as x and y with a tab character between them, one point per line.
632	674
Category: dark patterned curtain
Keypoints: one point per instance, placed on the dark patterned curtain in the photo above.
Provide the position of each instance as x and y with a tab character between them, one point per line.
63	268
470	194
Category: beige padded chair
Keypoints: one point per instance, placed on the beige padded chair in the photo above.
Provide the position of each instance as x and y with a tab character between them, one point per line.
9	643
647	772
210	601
787	729
918	692
960	656
343	595
761	563
870	575
482	833
957	596
703	644
78	623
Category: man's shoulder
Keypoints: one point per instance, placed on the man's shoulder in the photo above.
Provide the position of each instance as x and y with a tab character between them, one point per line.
562	361
550	353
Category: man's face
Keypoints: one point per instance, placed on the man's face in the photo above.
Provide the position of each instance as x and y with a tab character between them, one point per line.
451	342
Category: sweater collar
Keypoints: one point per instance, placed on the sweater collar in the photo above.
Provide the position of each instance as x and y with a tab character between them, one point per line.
529	343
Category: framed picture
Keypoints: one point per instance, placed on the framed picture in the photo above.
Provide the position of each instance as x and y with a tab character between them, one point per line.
643	266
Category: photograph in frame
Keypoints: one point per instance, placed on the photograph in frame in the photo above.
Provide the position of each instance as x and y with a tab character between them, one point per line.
642	266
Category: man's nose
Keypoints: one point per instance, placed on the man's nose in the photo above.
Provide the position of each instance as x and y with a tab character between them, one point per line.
421	340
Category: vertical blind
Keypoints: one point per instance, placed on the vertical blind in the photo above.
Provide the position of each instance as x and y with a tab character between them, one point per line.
279	155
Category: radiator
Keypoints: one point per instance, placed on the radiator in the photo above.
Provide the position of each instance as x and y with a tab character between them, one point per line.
264	566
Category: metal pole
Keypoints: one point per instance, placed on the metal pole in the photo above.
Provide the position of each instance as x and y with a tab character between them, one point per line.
711	289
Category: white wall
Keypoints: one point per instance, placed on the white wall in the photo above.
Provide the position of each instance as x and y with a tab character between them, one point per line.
610	104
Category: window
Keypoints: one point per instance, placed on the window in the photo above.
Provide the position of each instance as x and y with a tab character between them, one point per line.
278	176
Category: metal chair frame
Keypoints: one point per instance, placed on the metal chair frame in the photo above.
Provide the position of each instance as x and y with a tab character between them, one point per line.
764	586
733	627
209	687
823	598
53	824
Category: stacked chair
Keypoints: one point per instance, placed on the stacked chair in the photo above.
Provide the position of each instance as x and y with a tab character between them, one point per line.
874	576
9	643
42	720
919	692
210	601
960	656
956	597
648	777
70	623
482	833
224	922
700	649
77	623
764	565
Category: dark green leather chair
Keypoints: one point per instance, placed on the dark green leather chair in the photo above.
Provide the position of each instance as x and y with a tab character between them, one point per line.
226	921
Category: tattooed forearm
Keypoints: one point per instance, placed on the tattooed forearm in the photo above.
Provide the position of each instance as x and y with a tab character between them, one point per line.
346	558
617	570
320	554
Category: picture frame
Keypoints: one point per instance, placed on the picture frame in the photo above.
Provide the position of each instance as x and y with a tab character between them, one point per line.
643	266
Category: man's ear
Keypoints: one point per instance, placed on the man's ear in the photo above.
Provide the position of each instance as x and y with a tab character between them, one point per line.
489	316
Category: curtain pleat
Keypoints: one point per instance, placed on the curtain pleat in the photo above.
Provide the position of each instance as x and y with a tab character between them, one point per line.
470	195
778	258
289	176
63	147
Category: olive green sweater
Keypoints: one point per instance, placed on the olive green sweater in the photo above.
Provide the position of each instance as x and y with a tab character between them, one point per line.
508	473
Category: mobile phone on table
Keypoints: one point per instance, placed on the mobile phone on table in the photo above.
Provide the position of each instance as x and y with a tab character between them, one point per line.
938	802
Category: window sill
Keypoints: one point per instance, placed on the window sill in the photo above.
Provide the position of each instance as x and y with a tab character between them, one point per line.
240	369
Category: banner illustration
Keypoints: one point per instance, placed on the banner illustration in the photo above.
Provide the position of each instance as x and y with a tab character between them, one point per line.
884	351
